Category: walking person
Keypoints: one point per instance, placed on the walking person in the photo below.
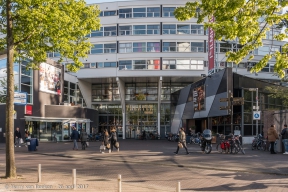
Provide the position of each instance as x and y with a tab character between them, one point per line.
113	139
106	140
272	137
182	140
18	137
75	137
284	134
83	138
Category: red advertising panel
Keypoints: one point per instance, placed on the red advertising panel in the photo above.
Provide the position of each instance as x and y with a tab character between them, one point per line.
28	109
211	48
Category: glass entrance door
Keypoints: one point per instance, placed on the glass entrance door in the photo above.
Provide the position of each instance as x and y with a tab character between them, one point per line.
141	117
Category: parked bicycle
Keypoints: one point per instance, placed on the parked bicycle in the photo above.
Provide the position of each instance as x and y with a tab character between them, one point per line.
224	145
259	143
195	138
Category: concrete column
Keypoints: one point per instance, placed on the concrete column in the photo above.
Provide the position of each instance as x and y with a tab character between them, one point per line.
121	88
159	104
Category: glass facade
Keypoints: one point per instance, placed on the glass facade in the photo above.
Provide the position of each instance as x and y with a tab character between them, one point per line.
72	94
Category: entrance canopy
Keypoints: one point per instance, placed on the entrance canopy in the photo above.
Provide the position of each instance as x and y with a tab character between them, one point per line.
52	119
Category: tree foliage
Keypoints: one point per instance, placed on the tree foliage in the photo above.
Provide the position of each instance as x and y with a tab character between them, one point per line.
42	26
3	84
278	92
246	21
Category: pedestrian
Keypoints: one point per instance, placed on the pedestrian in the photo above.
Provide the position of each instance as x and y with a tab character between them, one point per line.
106	140
27	134
83	138
182	140
272	137
190	132
18	137
144	135
75	137
113	139
284	134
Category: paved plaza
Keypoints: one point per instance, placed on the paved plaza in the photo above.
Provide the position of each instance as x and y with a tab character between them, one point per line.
145	166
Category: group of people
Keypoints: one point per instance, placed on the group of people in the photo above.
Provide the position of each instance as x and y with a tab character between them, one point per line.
273	136
18	137
110	140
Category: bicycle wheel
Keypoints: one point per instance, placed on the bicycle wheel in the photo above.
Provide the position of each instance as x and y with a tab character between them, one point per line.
218	148
208	148
242	149
254	145
264	146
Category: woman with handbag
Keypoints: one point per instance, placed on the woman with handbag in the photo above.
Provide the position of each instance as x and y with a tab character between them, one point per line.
182	141
106	140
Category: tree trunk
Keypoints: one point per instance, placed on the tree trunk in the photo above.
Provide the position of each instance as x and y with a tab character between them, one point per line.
10	158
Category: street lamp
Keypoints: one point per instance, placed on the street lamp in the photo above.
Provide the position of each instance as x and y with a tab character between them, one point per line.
257	107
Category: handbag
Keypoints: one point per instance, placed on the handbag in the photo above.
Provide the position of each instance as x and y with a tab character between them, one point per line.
87	143
102	147
108	145
21	141
117	144
180	145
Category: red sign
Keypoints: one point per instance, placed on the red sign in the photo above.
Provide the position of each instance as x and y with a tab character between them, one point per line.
211	48
28	109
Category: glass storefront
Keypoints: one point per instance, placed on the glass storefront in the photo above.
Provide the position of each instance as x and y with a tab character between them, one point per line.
140	117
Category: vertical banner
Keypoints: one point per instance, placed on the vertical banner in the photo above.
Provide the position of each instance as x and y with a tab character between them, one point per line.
211	49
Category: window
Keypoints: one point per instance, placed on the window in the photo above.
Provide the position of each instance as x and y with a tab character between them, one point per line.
168	11
153	29
139	30
125	47
110	13
97	33
183	29
86	65
97	49
153	11
197	29
125	30
153	64
110	48
110	31
183	64
125	65
100	65
169	64
169	29
225	47
125	13
139	64
101	14
169	46
153	47
139	47
139	12
197	64
197	46
93	65
183	47
110	64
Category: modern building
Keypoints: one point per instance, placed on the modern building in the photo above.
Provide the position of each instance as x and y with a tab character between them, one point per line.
140	56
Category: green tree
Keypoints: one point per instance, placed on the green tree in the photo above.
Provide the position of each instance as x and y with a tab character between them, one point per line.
3	84
247	20
278	92
34	28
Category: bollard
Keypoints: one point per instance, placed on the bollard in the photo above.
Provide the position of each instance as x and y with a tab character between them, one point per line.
39	173
178	189
119	183
74	178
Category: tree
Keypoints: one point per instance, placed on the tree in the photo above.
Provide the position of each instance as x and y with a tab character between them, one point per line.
3	84
244	20
34	28
278	92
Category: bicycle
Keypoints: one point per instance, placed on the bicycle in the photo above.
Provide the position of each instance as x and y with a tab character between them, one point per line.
54	139
259	143
224	145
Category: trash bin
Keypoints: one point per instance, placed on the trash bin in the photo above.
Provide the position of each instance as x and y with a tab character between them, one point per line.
33	143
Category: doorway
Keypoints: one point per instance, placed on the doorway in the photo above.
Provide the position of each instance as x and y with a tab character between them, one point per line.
198	126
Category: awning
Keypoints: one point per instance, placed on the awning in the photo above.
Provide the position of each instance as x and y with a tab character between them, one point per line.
54	119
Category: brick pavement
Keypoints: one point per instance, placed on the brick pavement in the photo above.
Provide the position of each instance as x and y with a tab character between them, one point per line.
147	166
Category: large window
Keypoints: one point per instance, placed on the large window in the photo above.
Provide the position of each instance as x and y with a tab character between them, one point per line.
183	47
97	33
125	30
168	11
169	64
153	29
125	65
139	30
106	64
105	92
197	29
110	31
153	11
183	29
110	48
139	47
153	47
110	13
185	64
125	13
197	64
169	46
197	46
140	64
139	12
125	47
97	49
169	29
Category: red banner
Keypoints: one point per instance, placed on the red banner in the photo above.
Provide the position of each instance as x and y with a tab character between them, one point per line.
28	109
211	48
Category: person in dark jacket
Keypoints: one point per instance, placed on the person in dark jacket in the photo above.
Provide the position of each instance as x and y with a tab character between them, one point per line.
284	134
182	140
18	137
106	140
83	138
113	139
75	137
272	137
